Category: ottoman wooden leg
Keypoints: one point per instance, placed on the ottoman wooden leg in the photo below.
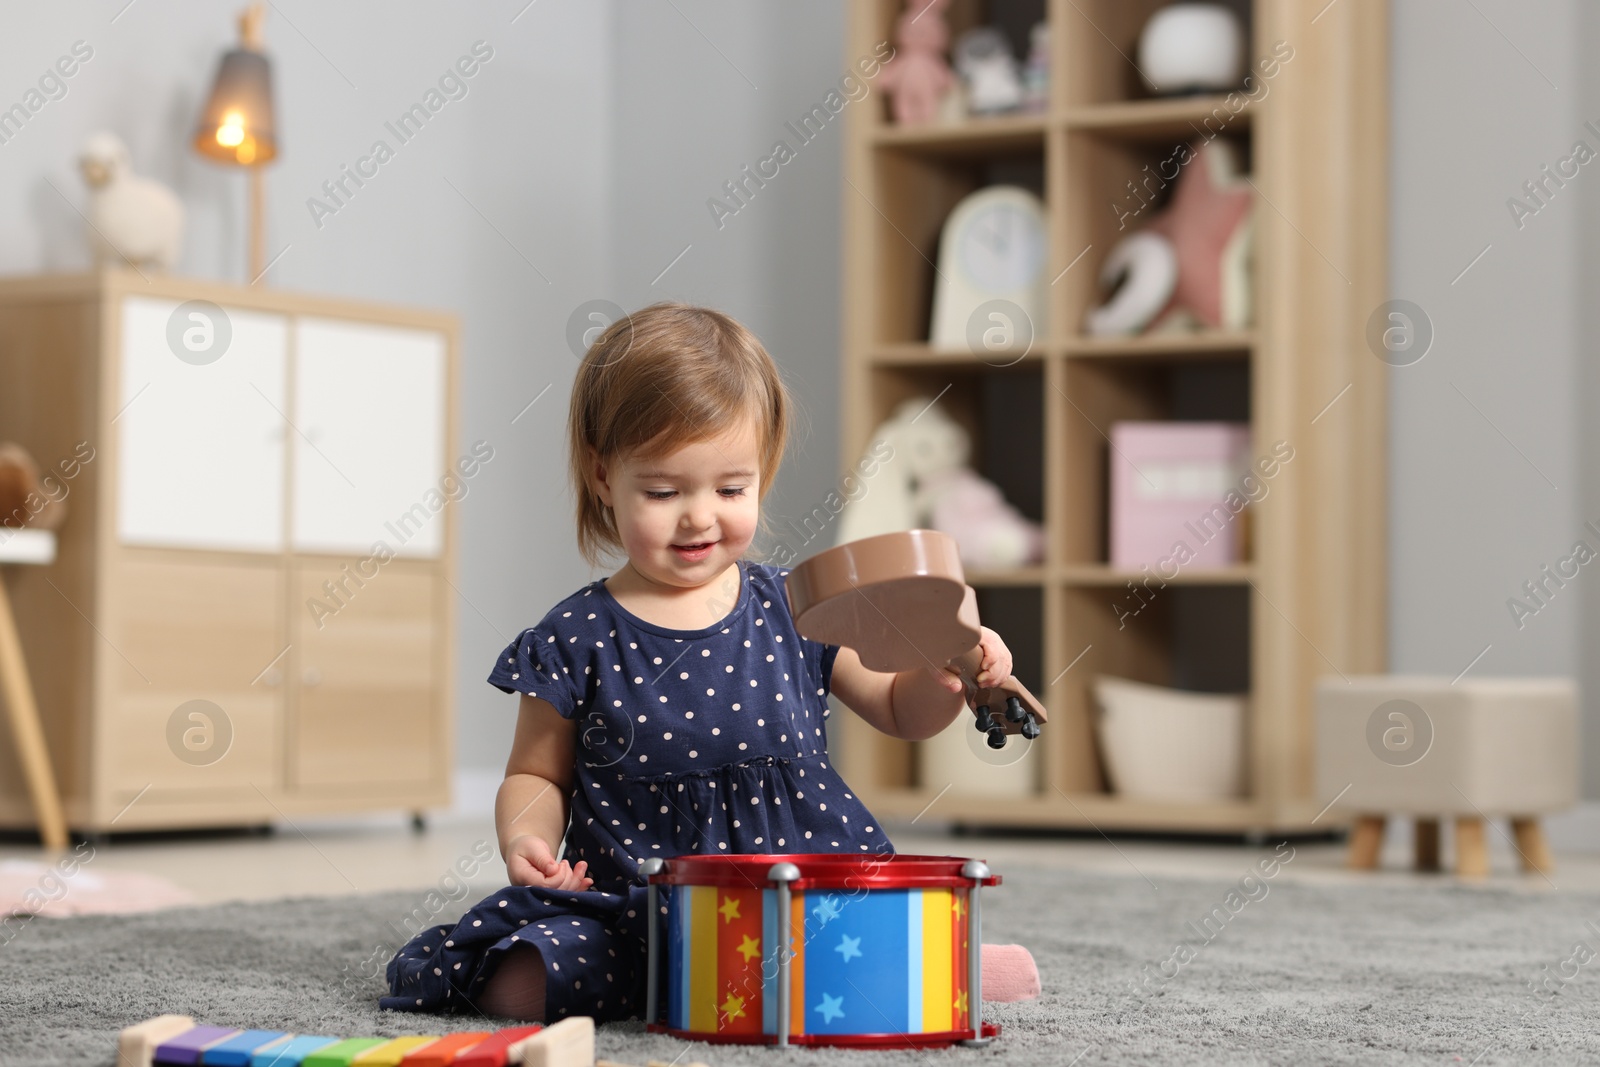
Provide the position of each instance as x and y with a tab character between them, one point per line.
1531	843
1427	844
1472	847
1366	841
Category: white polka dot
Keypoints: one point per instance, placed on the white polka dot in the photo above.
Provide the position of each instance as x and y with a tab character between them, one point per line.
752	682
715	730
736	707
705	652
758	622
665	737
656	660
683	674
743	746
693	754
637	679
663	700
642	759
641	718
769	657
711	692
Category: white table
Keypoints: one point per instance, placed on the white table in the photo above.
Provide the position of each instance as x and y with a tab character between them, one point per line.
28	548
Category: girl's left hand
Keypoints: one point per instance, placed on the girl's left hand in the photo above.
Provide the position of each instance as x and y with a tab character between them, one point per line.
995	667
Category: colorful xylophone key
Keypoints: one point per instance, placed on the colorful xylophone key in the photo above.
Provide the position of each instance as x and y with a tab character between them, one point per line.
175	1041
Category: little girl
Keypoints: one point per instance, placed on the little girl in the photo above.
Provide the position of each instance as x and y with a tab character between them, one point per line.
671	709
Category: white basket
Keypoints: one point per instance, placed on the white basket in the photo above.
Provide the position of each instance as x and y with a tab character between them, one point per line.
1166	744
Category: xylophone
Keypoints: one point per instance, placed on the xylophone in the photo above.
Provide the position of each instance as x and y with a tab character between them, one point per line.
173	1040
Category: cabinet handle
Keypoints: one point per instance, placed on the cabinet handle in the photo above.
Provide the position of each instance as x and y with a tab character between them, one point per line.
311	677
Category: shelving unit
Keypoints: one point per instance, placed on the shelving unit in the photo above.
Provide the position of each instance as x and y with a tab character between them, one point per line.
1310	599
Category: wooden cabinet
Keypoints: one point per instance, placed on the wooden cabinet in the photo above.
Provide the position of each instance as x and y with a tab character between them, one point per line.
1309	600
251	616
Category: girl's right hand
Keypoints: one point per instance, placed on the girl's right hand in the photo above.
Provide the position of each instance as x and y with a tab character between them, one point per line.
529	861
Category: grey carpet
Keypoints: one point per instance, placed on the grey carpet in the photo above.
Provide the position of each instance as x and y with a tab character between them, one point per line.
1302	975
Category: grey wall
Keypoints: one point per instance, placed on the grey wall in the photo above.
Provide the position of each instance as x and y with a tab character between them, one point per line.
585	153
1485	476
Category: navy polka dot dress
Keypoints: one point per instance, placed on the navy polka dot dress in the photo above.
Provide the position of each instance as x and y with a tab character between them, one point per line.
689	742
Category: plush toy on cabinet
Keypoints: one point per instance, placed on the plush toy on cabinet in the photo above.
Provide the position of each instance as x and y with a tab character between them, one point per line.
131	219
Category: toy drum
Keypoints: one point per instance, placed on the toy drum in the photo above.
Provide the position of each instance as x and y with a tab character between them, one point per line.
878	950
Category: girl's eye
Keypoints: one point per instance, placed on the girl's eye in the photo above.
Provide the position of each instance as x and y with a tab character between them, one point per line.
662	494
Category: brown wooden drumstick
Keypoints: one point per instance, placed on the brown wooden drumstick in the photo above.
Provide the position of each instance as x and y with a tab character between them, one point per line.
901	601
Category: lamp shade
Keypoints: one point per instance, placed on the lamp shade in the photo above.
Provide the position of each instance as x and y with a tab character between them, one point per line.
238	125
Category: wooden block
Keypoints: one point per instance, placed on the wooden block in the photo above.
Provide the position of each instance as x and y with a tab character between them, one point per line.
1472	848
568	1043
1532	845
342	1053
136	1046
1366	842
293	1052
446	1051
499	1048
1427	844
392	1052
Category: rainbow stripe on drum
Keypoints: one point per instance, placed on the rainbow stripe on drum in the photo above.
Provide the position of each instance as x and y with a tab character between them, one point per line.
888	961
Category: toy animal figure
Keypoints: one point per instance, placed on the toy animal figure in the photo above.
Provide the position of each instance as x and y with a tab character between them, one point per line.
131	219
983	56
917	78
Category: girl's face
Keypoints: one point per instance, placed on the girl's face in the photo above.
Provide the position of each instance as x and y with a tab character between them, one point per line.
685	518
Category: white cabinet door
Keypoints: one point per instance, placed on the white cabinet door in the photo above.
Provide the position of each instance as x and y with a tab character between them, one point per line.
200	457
369	416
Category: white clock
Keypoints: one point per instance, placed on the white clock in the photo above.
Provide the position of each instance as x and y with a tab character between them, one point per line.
989	297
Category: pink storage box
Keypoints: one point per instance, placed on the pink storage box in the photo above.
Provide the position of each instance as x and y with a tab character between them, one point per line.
1166	480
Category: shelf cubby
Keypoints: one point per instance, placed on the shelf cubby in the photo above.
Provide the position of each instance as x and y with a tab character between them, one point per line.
913	191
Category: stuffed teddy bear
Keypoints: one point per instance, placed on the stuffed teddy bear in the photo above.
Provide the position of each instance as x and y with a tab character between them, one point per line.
928	483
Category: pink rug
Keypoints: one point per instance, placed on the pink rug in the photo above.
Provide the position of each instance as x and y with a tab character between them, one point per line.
69	887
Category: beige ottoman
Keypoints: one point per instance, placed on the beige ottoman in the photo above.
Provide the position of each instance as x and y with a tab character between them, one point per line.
1478	749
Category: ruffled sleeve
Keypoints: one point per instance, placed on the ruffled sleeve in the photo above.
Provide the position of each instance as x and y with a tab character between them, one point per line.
536	664
819	657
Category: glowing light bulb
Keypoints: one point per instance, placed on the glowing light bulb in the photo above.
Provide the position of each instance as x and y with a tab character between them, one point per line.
231	132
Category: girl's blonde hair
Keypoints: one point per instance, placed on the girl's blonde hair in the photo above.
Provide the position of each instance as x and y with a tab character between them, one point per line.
666	376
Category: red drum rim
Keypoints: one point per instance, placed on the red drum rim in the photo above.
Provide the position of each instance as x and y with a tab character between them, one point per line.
928	1040
821	871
